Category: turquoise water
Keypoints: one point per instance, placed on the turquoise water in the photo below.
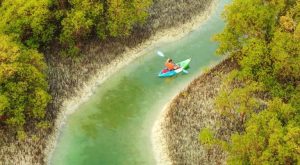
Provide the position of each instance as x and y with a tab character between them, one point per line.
114	126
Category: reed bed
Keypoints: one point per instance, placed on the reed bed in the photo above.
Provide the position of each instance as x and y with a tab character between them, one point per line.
188	113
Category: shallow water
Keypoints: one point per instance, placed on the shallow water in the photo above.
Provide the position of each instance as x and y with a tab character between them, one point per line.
114	125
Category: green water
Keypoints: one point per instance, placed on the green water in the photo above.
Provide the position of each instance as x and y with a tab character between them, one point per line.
114	126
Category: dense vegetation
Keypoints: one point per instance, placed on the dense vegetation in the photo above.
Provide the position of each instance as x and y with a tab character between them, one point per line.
28	27
23	87
262	96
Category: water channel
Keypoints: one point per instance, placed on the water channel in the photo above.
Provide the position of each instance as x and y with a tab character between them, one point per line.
114	126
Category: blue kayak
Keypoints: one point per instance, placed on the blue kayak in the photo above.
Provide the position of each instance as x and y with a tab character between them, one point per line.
183	65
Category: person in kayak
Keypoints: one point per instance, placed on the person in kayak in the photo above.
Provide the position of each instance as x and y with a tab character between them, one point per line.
171	65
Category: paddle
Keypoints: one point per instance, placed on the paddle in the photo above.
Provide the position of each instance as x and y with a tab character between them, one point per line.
161	54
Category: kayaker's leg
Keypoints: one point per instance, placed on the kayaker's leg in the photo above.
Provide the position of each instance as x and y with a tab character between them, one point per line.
176	67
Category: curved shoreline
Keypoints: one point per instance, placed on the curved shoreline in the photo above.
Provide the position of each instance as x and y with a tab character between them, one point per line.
159	141
70	105
157	137
206	85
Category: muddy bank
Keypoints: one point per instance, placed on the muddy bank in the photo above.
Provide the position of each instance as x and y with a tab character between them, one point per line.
72	81
177	130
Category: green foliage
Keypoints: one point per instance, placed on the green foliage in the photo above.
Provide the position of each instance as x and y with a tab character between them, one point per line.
21	135
22	83
248	19
122	15
75	26
285	50
271	137
206	136
28	25
208	139
262	95
34	23
27	20
80	20
43	125
238	102
109	18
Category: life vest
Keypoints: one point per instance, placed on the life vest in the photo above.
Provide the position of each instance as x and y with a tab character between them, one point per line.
170	65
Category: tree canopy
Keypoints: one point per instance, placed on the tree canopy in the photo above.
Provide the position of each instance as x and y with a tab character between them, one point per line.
27	27
36	23
109	18
23	86
27	20
260	96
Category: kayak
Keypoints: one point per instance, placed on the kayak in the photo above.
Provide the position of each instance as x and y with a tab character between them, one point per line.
169	73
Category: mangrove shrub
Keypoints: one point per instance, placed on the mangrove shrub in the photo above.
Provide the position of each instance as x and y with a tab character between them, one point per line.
260	95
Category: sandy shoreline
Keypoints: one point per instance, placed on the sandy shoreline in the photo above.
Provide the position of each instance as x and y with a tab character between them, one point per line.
70	105
158	141
175	133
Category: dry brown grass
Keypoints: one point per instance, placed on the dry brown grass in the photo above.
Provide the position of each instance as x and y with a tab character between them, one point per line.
191	111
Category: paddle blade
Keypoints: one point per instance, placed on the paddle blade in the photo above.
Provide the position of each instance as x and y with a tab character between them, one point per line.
185	71
161	54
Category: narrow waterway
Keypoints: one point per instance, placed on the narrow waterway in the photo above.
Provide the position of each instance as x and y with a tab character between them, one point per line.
114	125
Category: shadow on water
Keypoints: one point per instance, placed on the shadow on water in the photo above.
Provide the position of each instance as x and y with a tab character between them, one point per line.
117	105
